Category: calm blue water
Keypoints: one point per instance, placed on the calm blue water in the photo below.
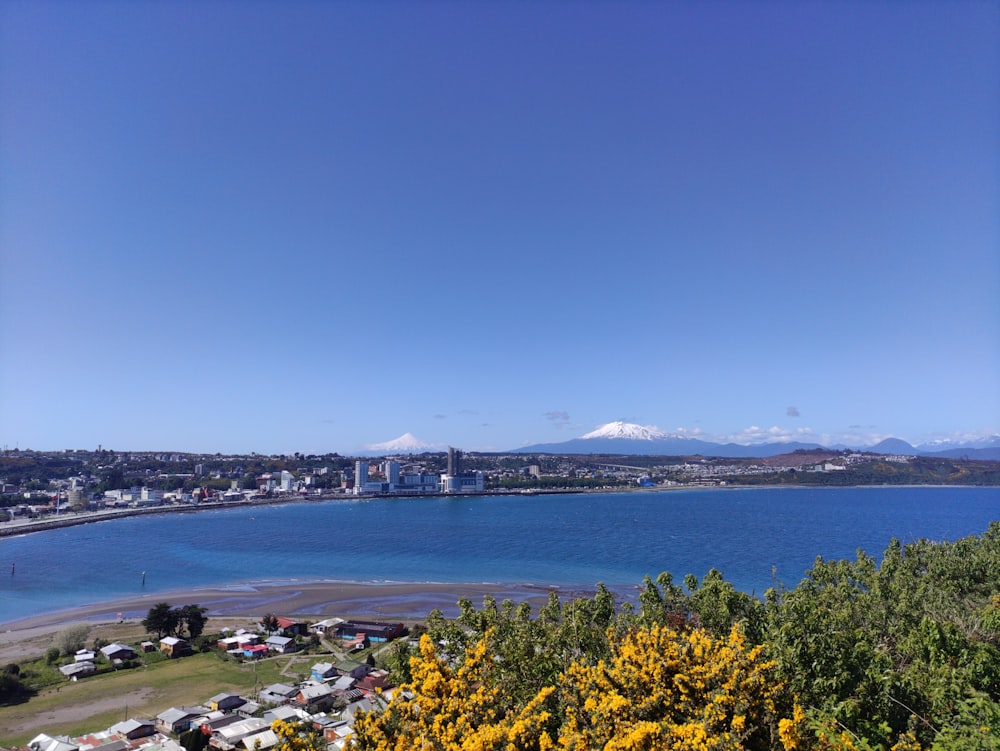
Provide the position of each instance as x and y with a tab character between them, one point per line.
565	540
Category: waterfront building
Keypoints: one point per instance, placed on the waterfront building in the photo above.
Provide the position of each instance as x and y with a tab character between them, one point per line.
457	481
467	482
391	469
454	462
417	482
360	476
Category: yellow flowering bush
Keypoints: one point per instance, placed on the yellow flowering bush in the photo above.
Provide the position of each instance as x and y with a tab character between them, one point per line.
445	707
664	689
660	689
294	737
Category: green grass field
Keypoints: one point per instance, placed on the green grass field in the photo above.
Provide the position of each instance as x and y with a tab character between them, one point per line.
91	704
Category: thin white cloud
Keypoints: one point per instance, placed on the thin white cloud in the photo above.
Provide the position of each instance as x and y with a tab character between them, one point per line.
559	418
688	432
775	434
958	437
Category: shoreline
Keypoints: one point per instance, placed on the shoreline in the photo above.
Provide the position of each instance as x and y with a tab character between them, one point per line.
75	518
400	601
78	518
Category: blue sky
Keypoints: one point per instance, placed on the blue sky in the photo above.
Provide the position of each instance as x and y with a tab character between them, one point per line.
311	226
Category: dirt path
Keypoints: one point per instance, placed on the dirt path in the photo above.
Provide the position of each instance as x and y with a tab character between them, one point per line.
80	712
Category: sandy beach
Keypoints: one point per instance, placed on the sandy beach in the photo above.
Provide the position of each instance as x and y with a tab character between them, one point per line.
404	602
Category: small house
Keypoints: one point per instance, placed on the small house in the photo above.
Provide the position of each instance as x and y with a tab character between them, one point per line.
118	652
351	711
260	741
343	683
277	693
376	679
247	638
375	630
173	646
215	720
314	697
291	627
354	669
230	735
323	670
133	729
43	742
333	728
329	624
281	644
178	719
248	709
225	702
255	652
76	670
285	713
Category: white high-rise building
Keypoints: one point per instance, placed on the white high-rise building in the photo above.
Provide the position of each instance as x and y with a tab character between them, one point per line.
392	474
360	476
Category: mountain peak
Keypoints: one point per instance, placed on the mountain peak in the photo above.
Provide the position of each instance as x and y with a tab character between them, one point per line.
405	444
627	430
892	446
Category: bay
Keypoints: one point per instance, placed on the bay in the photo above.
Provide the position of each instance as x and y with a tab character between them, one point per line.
756	537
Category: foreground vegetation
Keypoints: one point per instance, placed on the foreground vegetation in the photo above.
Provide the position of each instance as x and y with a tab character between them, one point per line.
901	655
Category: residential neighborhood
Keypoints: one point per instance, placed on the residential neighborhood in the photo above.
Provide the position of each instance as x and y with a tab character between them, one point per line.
327	699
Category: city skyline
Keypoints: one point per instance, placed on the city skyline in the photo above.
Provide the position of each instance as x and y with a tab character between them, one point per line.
316	227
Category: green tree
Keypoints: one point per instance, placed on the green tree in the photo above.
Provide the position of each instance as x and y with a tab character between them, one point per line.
193	619
269	623
12	690
161	620
193	740
72	638
718	606
397	661
906	646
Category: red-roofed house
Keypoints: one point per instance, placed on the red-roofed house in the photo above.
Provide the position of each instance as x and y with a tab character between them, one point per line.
289	627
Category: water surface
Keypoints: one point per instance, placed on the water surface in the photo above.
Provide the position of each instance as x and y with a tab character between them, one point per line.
756	537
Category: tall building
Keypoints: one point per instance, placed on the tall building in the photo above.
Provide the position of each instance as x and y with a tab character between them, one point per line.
360	476
392	474
454	462
456	481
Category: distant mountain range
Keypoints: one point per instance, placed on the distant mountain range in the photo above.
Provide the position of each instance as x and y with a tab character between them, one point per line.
627	438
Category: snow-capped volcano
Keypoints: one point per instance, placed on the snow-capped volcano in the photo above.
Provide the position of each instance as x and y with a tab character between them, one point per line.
624	438
405	444
627	430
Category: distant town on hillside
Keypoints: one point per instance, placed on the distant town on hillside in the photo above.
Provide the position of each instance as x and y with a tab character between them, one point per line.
39	483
